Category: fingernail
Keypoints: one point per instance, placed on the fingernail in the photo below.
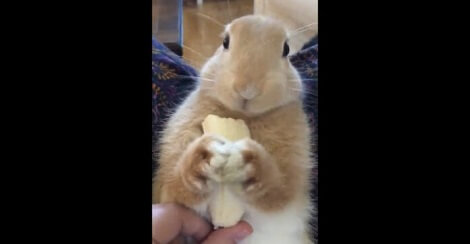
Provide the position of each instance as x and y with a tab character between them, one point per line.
242	234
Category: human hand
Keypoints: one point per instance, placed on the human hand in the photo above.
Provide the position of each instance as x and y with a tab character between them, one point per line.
171	220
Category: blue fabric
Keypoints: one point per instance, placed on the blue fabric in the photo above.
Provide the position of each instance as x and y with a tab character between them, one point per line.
173	79
306	63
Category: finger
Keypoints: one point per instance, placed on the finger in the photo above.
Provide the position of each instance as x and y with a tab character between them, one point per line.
171	220
230	235
194	225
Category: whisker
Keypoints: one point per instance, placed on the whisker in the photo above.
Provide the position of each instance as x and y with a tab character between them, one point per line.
188	76
211	19
308	91
298	32
306	26
196	77
302	72
304	92
210	73
194	51
202	78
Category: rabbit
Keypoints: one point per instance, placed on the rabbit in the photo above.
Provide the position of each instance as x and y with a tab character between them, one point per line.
249	77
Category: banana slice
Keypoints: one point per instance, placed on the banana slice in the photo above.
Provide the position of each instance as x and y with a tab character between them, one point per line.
225	208
229	128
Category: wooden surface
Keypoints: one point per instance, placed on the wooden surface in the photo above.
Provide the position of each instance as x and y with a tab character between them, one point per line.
203	24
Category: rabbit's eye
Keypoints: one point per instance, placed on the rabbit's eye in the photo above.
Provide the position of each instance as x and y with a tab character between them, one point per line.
226	41
285	52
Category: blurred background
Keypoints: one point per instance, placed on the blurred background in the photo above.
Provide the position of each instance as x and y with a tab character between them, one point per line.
192	28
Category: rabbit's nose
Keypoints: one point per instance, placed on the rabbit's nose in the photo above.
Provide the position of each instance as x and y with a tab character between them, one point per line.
248	93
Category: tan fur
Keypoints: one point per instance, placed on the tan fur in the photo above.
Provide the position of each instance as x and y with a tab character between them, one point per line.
279	148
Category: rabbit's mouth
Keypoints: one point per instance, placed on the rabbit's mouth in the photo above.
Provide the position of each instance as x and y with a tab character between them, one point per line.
249	107
244	104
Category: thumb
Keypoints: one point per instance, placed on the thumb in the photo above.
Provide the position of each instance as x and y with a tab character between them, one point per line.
230	235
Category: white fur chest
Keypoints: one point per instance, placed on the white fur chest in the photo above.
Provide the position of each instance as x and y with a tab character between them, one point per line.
288	226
